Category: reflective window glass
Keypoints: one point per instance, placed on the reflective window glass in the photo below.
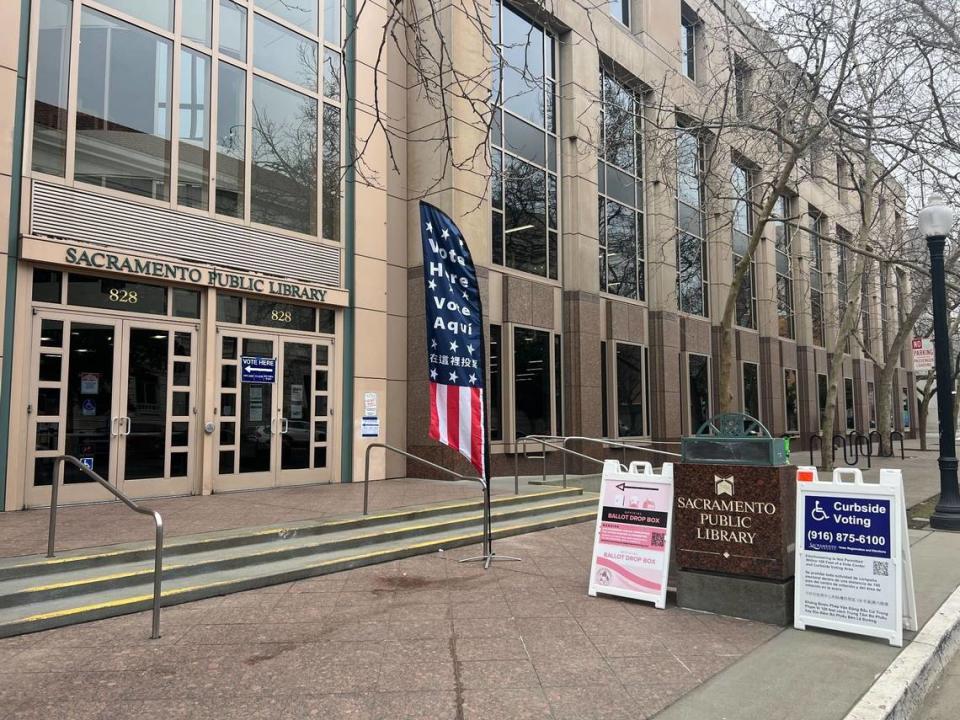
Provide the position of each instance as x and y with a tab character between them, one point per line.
751	389
791	400
331	74
332	172
192	185
284	182
116	294
158	12
699	386
284	53
196	20
46	285
123	98
231	139
186	303
531	362
302	13
52	79
496	383
525	204
233	30
522	67
331	21
281	315
630	388
229	309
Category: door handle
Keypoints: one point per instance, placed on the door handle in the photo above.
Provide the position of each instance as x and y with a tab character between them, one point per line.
285	425
128	425
273	429
114	426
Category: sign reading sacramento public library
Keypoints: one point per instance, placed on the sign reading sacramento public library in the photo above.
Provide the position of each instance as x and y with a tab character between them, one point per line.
101	259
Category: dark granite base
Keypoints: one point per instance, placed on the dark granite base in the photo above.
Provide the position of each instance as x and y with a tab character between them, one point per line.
769	601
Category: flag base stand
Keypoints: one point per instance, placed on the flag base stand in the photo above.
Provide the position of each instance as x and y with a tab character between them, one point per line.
489	558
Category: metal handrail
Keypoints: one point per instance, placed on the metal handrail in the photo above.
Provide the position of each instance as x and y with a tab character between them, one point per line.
366	469
546	441
157	519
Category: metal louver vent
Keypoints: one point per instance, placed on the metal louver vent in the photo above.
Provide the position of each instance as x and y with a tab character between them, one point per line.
63	212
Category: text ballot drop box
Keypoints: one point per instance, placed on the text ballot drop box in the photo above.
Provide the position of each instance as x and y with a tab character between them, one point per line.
631	548
734	519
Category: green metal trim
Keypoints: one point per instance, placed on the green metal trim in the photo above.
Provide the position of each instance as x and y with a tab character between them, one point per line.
349	239
13	244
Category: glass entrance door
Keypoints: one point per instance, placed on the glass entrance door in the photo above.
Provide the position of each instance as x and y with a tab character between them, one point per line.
272	433
119	396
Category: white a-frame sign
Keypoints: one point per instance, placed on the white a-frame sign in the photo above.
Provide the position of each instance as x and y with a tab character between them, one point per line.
853	555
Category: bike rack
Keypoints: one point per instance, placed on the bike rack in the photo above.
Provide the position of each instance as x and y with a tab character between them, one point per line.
819	438
859	437
158	521
879	442
900	435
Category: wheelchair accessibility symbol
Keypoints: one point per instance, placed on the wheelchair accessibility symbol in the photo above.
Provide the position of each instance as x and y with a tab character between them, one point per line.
818	513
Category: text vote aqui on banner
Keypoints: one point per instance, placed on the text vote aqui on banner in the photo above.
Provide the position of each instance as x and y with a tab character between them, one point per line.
853	571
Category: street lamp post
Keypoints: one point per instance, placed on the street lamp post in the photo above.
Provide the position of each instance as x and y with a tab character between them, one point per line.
935	222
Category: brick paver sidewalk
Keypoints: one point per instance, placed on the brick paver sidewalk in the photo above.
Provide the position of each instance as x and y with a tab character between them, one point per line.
424	637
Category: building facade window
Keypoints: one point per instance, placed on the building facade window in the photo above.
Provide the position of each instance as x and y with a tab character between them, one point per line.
271	156
750	375
822	396
523	154
691	226
536	375
783	242
742	228
632	381
849	404
872	403
621	190
905	399
620	10
742	78
698	385
604	421
791	401
496	383
689	30
817	223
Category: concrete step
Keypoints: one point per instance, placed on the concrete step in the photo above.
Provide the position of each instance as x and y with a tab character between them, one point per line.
118	580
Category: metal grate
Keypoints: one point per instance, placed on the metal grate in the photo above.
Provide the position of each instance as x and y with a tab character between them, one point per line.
71	214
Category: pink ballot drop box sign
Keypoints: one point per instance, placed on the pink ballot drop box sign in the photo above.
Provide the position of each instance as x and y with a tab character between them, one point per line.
631	547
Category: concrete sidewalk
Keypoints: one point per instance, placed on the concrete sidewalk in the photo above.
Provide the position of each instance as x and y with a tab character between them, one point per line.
818	674
943	702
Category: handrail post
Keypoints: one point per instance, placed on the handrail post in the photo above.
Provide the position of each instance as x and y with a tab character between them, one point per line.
516	467
157	576
54	496
366	477
563	446
543	446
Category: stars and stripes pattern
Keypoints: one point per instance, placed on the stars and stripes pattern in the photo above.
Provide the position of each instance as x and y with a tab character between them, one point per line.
455	354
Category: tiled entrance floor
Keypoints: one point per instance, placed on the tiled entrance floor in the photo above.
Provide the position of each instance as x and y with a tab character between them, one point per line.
423	637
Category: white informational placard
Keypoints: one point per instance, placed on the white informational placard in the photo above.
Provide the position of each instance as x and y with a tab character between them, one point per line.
854	572
370	404
369	427
923	354
631	548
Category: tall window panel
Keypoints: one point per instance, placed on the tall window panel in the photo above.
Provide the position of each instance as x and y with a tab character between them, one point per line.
123	102
698	386
843	277
783	242
632	402
270	154
849	404
620	185
691	226
52	73
283	182
742	228
524	186
822	396
817	222
194	176
495	393
536	373
620	10
689	30
791	401
750	376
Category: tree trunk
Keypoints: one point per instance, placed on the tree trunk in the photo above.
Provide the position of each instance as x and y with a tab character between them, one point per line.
884	387
924	409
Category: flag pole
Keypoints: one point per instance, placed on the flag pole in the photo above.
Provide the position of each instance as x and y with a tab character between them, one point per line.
487	555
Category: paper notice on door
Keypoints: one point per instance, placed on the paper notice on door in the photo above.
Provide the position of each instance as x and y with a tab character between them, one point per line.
89	383
255	405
